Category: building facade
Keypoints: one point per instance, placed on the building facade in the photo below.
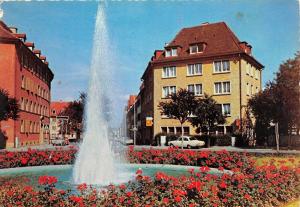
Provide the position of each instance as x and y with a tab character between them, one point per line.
204	59
26	75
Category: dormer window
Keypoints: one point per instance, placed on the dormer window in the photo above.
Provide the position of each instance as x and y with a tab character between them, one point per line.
196	48
171	52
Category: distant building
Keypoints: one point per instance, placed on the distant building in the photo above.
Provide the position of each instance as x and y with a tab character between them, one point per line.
60	124
208	58
26	75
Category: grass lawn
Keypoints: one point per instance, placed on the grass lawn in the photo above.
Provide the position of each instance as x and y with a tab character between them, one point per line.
289	160
293	204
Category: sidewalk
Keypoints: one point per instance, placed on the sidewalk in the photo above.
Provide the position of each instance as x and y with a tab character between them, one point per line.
227	148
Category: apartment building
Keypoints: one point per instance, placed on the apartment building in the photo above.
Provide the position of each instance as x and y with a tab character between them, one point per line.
25	74
208	58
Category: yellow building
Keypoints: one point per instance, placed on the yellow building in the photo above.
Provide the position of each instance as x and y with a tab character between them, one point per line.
204	59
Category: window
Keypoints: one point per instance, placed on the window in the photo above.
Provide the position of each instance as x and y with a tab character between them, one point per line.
257	90
218	88
22	126
169	72
171	130
186	130
196	89
196	48
222	87
23	82
226	87
221	66
226	109
252	91
22	103
164	130
194	69
171	52
168	90
248	89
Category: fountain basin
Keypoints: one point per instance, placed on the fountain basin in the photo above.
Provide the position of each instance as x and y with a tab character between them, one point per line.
64	172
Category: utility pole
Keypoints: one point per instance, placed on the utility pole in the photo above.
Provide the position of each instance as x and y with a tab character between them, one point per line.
134	125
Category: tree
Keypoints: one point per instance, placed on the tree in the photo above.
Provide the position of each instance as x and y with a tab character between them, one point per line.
9	107
180	107
207	115
279	102
75	112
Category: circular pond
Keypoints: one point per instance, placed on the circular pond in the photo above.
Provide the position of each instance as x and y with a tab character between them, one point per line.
64	172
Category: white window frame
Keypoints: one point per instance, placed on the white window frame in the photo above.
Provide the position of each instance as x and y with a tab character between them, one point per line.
222	66
223	111
194	67
169	91
194	89
222	84
171	52
197	49
167	75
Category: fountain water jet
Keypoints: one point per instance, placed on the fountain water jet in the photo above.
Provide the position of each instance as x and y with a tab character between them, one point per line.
95	161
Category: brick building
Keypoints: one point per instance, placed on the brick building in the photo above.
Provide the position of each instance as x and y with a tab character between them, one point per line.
25	74
208	58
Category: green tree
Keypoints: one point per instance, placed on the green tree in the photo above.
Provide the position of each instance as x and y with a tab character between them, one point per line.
280	101
207	115
180	106
9	107
75	112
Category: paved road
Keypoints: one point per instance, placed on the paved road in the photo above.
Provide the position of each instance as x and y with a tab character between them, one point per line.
140	147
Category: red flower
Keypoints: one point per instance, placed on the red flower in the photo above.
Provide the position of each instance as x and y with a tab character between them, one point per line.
223	185
165	200
178	199
47	180
247	196
139	171
204	169
129	194
82	187
24	161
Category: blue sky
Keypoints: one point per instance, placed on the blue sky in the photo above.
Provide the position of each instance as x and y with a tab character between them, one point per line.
64	33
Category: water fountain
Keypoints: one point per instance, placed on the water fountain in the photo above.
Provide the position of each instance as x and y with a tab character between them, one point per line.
95	161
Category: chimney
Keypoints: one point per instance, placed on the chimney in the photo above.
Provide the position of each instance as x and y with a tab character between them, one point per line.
14	30
157	54
246	47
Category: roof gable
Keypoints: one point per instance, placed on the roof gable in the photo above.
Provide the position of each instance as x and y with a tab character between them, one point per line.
217	37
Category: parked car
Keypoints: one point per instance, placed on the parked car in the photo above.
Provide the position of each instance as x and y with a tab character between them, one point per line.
188	142
59	142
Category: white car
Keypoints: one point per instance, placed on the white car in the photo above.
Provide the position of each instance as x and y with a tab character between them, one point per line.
188	142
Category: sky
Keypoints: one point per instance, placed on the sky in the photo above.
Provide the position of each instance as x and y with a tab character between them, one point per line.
64	32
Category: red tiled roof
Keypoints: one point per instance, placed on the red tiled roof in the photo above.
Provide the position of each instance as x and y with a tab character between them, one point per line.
36	51
219	39
131	101
5	32
29	44
57	107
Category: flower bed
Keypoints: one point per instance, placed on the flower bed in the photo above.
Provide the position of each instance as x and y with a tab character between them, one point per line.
32	157
264	186
216	159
